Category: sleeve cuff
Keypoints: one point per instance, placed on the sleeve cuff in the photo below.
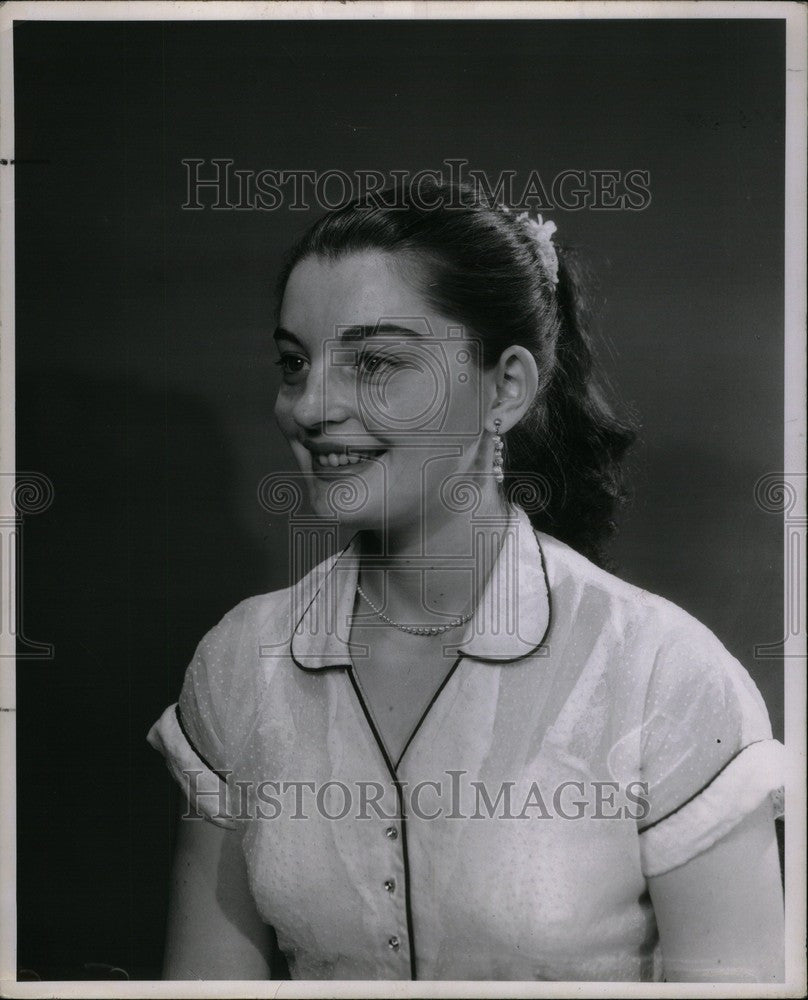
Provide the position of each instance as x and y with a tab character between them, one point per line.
205	788
754	774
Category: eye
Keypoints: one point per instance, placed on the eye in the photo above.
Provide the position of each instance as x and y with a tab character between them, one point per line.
293	367
374	363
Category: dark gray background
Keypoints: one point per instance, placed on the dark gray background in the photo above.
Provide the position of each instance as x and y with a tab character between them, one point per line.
145	384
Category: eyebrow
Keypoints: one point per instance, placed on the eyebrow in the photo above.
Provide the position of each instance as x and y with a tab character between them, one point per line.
354	332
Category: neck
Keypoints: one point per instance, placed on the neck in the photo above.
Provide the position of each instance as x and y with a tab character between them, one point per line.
436	568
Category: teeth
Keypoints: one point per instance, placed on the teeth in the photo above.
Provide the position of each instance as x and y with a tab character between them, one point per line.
335	460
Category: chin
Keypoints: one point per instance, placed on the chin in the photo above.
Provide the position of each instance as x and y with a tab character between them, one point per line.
345	499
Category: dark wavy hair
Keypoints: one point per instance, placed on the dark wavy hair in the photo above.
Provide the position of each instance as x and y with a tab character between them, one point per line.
479	264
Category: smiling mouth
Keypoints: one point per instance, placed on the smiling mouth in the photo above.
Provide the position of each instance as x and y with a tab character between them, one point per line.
334	460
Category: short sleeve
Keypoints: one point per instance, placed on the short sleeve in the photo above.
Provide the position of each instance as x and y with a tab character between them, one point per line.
708	757
192	734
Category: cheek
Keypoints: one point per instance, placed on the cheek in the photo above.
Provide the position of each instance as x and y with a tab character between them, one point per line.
431	400
462	411
283	412
399	402
466	395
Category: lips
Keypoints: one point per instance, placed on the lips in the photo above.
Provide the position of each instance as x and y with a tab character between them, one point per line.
336	457
333	460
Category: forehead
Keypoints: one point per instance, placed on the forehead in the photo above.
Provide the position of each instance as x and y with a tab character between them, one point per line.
322	295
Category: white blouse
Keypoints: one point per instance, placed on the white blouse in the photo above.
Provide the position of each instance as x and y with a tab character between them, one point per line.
590	735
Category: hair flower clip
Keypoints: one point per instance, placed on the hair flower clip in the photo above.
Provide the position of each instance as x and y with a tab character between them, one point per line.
542	233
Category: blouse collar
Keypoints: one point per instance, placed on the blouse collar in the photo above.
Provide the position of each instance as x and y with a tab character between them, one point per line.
509	623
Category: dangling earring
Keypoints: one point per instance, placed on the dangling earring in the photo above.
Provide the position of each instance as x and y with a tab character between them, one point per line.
499	474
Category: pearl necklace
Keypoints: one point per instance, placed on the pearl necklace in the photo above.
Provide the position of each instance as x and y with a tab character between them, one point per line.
412	629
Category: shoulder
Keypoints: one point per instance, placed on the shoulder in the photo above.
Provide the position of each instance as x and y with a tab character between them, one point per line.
576	582
247	642
662	644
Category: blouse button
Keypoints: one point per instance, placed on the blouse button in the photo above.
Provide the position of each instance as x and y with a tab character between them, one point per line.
391	833
390	884
394	943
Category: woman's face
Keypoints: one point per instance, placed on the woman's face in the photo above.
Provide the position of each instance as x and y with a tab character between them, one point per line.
382	398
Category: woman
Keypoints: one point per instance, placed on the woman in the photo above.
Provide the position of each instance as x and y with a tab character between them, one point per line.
458	748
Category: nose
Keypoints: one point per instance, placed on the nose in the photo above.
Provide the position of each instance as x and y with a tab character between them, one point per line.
325	399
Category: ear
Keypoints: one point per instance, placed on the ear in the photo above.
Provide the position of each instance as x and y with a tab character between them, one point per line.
515	384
